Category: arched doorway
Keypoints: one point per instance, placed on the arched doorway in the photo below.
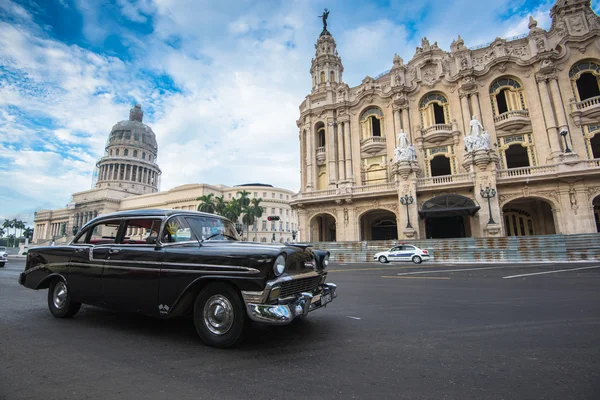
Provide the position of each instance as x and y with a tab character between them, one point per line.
322	228
448	216
528	217
596	205
595	145
378	225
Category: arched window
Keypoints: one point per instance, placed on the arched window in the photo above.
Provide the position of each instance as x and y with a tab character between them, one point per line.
150	158
518	223
516	156
440	166
322	76
135	153
371	123
126	152
143	155
584	79
507	94
117	152
332	76
320	129
110	152
434	110
263	240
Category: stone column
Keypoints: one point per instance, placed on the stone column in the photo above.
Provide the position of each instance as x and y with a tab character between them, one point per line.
309	156
397	125
348	148
464	102
560	108
331	156
340	153
549	119
476	106
406	124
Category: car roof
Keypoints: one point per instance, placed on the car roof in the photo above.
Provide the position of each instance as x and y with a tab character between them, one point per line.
155	213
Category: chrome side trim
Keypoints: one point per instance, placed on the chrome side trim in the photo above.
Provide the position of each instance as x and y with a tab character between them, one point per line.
242	270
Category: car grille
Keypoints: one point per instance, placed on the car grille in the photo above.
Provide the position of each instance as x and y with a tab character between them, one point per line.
296	286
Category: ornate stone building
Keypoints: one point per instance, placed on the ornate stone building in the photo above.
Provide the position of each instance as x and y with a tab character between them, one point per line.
487	141
127	178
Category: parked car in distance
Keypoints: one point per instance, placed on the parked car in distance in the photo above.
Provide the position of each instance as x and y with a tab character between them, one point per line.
403	252
3	256
167	263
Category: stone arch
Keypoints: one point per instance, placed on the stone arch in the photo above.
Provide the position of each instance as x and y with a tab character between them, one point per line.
434	109
585	79
507	94
596	211
529	216
322	227
320	134
371	122
378	223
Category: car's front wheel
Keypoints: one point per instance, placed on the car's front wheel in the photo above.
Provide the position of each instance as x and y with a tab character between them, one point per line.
59	300
219	315
2	264
417	260
382	259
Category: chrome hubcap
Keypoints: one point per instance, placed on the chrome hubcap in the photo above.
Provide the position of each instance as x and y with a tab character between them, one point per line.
218	315
59	296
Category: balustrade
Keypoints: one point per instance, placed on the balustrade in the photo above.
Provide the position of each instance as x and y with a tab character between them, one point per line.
588	103
444	179
373	139
511	114
437	128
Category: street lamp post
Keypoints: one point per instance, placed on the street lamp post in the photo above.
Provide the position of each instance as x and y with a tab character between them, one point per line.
488	193
564	134
407	200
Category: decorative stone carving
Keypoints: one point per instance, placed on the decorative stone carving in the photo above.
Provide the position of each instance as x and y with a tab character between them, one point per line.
576	24
429	74
540	44
457	44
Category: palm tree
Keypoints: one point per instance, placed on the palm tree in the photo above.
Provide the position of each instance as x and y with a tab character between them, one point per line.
220	205
256	209
232	211
7	224
206	203
15	224
244	198
28	232
20	225
248	219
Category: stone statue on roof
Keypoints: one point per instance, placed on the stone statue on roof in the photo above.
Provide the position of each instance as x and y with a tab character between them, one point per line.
324	16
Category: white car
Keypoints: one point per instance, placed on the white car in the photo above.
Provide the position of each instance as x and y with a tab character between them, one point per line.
3	256
404	252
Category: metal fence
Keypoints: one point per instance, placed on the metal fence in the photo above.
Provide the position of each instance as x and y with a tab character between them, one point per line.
503	249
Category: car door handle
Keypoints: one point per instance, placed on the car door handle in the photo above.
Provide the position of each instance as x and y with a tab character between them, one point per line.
114	251
80	250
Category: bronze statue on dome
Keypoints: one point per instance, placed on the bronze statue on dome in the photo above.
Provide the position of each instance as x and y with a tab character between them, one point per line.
324	17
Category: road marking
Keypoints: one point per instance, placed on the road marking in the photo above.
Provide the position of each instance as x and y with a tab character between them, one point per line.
352	317
448	270
550	272
372	268
415	277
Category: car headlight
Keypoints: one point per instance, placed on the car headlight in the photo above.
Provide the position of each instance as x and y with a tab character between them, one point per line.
326	261
279	266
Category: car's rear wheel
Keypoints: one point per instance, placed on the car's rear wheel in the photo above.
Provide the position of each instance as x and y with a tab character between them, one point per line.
417	260
2	264
382	259
59	300
219	315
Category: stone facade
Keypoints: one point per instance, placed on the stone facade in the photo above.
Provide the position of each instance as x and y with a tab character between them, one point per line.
127	179
518	116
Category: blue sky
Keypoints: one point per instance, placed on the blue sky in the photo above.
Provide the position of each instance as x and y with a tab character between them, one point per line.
220	82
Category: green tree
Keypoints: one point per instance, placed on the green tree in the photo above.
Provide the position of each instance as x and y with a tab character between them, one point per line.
28	232
20	225
15	223
244	198
248	219
206	203
220	205
256	209
7	224
2	232
232	211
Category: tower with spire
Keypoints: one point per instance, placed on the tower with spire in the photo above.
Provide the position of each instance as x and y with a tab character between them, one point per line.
326	68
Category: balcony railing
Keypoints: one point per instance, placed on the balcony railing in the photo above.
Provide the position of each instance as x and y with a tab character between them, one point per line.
593	163
511	114
372	139
527	171
378	188
437	128
592	101
445	179
321	150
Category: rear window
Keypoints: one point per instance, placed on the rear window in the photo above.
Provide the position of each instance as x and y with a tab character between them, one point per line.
141	231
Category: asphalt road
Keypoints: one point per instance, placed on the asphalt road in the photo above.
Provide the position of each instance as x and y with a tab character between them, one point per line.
395	331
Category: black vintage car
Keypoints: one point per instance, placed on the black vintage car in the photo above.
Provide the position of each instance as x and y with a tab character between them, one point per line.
167	263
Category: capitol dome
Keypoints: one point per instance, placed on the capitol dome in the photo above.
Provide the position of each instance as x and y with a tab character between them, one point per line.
129	161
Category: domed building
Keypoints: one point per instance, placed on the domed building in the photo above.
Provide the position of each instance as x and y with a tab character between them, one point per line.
127	177
129	161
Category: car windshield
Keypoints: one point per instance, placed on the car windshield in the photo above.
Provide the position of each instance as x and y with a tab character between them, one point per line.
2	248
208	228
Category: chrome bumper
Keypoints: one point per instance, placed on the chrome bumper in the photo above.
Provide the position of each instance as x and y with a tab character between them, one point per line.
281	314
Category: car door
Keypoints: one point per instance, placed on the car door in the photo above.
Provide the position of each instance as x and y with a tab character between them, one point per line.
131	276
89	250
393	253
406	252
